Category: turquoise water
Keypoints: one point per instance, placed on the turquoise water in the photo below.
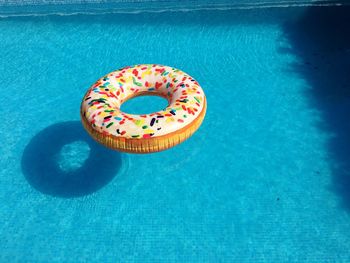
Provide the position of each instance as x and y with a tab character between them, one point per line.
256	183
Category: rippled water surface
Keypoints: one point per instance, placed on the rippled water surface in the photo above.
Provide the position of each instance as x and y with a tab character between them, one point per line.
263	180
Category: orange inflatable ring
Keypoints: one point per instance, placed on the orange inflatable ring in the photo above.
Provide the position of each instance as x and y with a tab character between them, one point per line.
106	123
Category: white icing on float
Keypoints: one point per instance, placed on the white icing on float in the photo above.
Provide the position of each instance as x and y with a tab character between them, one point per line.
101	104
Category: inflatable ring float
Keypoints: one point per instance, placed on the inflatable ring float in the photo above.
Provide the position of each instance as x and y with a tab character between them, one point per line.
107	124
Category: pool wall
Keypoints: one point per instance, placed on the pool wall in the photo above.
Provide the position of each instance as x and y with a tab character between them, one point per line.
65	7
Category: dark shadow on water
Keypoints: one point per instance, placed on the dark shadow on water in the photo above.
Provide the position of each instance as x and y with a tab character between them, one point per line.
57	173
321	39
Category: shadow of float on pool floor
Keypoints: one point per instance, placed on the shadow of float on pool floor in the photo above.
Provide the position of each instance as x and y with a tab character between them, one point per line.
321	38
43	170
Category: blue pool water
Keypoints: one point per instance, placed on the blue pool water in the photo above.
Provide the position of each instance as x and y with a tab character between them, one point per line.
264	179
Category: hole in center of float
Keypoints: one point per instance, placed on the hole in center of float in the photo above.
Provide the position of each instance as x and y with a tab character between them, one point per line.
72	156
144	104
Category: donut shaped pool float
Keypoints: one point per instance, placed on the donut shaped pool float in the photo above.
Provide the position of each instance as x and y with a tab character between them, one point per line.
146	133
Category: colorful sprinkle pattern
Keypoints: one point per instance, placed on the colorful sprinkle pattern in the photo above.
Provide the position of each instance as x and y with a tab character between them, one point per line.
101	104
